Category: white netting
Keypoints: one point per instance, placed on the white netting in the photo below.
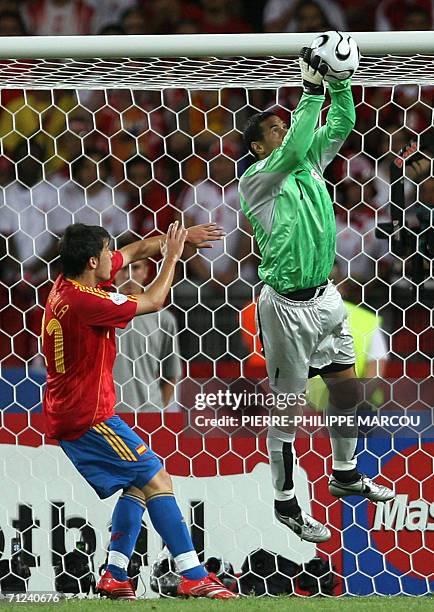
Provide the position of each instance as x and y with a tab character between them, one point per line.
132	159
198	73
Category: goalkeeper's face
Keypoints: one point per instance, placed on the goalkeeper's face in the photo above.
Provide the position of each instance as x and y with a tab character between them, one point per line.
273	132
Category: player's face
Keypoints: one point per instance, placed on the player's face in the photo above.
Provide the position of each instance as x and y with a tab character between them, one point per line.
104	267
273	132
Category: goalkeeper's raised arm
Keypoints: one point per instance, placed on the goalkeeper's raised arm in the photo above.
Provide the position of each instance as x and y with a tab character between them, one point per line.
341	118
284	195
269	139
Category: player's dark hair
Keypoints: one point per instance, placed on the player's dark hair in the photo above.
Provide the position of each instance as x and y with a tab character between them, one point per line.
78	244
253	129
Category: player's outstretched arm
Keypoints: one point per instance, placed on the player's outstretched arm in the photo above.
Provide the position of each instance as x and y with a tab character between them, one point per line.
340	122
298	139
172	245
198	236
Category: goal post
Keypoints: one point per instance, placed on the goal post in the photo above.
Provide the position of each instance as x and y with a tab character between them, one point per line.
132	132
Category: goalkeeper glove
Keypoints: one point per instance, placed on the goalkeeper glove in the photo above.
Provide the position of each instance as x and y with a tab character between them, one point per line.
313	70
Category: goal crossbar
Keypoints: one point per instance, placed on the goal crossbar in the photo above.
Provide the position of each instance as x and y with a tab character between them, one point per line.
198	45
200	61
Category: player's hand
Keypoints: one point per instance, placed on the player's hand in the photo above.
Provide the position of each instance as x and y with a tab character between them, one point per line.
201	236
173	243
313	69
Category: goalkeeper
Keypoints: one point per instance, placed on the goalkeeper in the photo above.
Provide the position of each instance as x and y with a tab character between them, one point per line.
301	316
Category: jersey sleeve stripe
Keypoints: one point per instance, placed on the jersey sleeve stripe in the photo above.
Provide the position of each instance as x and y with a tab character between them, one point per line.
115	442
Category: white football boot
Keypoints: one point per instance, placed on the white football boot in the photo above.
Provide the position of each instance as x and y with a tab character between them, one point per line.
305	526
364	487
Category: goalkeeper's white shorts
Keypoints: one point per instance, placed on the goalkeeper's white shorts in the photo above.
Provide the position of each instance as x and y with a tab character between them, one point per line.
297	336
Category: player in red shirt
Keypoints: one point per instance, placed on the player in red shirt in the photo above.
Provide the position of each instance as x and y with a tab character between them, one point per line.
79	347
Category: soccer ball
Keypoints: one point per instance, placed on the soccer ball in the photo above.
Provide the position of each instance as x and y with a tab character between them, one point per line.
340	52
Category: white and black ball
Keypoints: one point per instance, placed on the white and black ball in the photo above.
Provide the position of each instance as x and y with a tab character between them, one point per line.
340	52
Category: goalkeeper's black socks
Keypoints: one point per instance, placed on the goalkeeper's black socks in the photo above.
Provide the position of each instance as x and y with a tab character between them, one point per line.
288	507
347	476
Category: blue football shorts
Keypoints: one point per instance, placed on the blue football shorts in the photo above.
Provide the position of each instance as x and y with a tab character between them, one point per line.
111	456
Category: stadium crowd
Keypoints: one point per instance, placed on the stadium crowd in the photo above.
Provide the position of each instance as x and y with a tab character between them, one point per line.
83	17
134	161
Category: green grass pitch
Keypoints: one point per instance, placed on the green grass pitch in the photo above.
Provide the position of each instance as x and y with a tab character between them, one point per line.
245	604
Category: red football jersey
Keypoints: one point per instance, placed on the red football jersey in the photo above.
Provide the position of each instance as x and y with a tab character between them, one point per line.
78	340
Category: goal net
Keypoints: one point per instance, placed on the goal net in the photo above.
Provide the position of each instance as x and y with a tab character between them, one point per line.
132	133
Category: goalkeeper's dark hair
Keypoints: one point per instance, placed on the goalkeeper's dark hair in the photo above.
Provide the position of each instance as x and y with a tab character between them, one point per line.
78	244
253	129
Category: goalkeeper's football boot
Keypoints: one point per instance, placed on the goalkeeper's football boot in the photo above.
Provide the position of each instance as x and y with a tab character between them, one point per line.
305	526
364	486
210	587
108	586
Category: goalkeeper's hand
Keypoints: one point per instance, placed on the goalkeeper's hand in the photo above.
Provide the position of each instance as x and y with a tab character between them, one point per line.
313	70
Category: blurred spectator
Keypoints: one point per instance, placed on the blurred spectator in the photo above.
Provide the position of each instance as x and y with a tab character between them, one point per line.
89	198
404	15
417	19
39	114
11	23
69	145
360	15
7	171
369	340
133	21
304	16
108	13
371	347
146	199
27	216
216	199
166	16
9	268
8	5
112	29
148	365
210	113
187	27
426	192
387	144
59	17
357	248
220	17
131	123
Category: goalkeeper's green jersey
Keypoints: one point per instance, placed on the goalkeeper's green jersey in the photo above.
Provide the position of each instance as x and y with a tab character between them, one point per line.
285	198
